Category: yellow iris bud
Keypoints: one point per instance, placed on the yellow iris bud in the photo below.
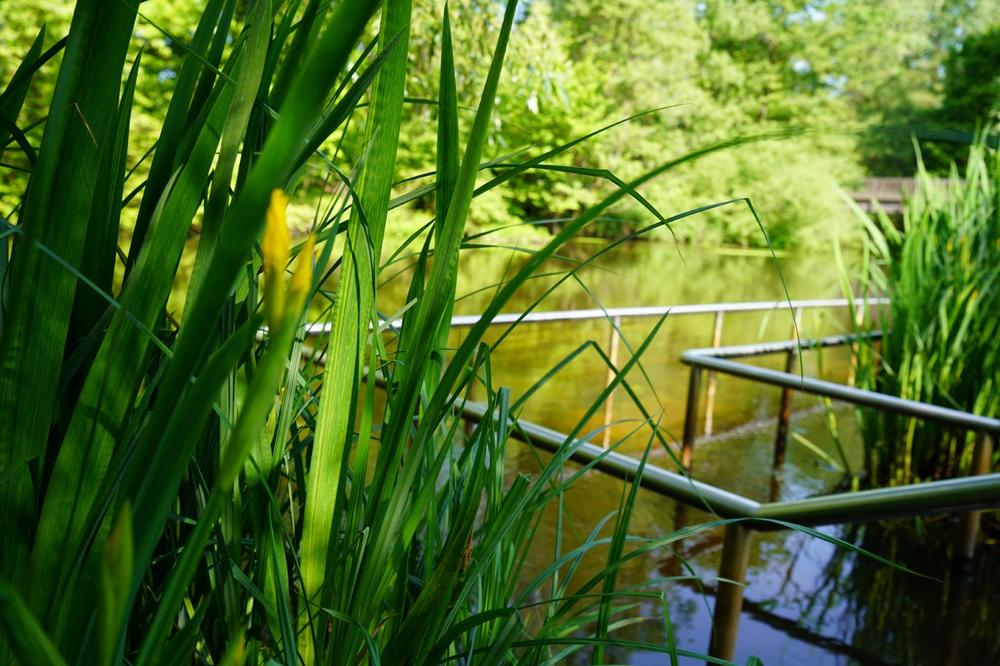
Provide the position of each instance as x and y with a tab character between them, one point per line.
275	250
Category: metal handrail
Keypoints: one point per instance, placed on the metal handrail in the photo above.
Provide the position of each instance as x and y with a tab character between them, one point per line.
717	359
461	321
615	316
962	495
950	495
677	486
967	495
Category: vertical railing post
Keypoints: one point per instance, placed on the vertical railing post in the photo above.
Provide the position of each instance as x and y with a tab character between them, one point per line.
609	404
955	628
981	455
691	417
784	415
785	409
710	388
729	594
859	319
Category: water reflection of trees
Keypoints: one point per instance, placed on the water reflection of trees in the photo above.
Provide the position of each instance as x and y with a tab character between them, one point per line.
944	616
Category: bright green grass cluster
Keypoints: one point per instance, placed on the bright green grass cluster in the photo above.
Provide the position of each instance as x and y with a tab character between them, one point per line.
209	491
941	270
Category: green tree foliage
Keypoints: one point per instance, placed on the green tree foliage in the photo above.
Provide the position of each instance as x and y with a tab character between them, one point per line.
813	72
971	98
161	35
972	83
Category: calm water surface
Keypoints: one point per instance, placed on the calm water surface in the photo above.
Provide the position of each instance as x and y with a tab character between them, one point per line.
807	601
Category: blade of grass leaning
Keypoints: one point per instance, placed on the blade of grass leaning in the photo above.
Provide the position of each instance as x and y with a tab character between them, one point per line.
347	103
115	374
26	640
447	128
447	173
13	96
40	295
175	124
211	73
389	500
248	81
307	29
353	311
101	245
180	648
241	227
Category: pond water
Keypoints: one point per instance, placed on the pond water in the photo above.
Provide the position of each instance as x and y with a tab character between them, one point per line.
807	601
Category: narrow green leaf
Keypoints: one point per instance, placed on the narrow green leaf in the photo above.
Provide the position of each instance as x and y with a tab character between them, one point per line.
354	309
101	245
248	81
116	578
175	123
25	637
12	97
40	295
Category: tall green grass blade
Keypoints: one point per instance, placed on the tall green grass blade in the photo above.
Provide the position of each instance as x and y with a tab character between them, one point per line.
211	73
25	638
248	78
348	102
447	127
175	124
40	295
307	29
447	176
353	310
101	245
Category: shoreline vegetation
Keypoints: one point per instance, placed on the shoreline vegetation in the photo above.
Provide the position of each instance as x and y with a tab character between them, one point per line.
941	266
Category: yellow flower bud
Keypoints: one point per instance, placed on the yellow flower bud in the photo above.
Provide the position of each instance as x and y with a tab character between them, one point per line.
275	250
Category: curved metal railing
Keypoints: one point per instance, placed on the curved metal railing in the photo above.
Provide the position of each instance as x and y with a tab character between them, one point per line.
961	495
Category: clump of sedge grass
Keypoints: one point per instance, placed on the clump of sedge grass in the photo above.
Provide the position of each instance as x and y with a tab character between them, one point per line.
202	491
941	270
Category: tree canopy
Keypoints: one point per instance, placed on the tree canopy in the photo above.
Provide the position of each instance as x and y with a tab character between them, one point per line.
804	79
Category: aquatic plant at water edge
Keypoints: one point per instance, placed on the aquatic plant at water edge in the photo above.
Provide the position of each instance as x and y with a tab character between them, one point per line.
941	270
